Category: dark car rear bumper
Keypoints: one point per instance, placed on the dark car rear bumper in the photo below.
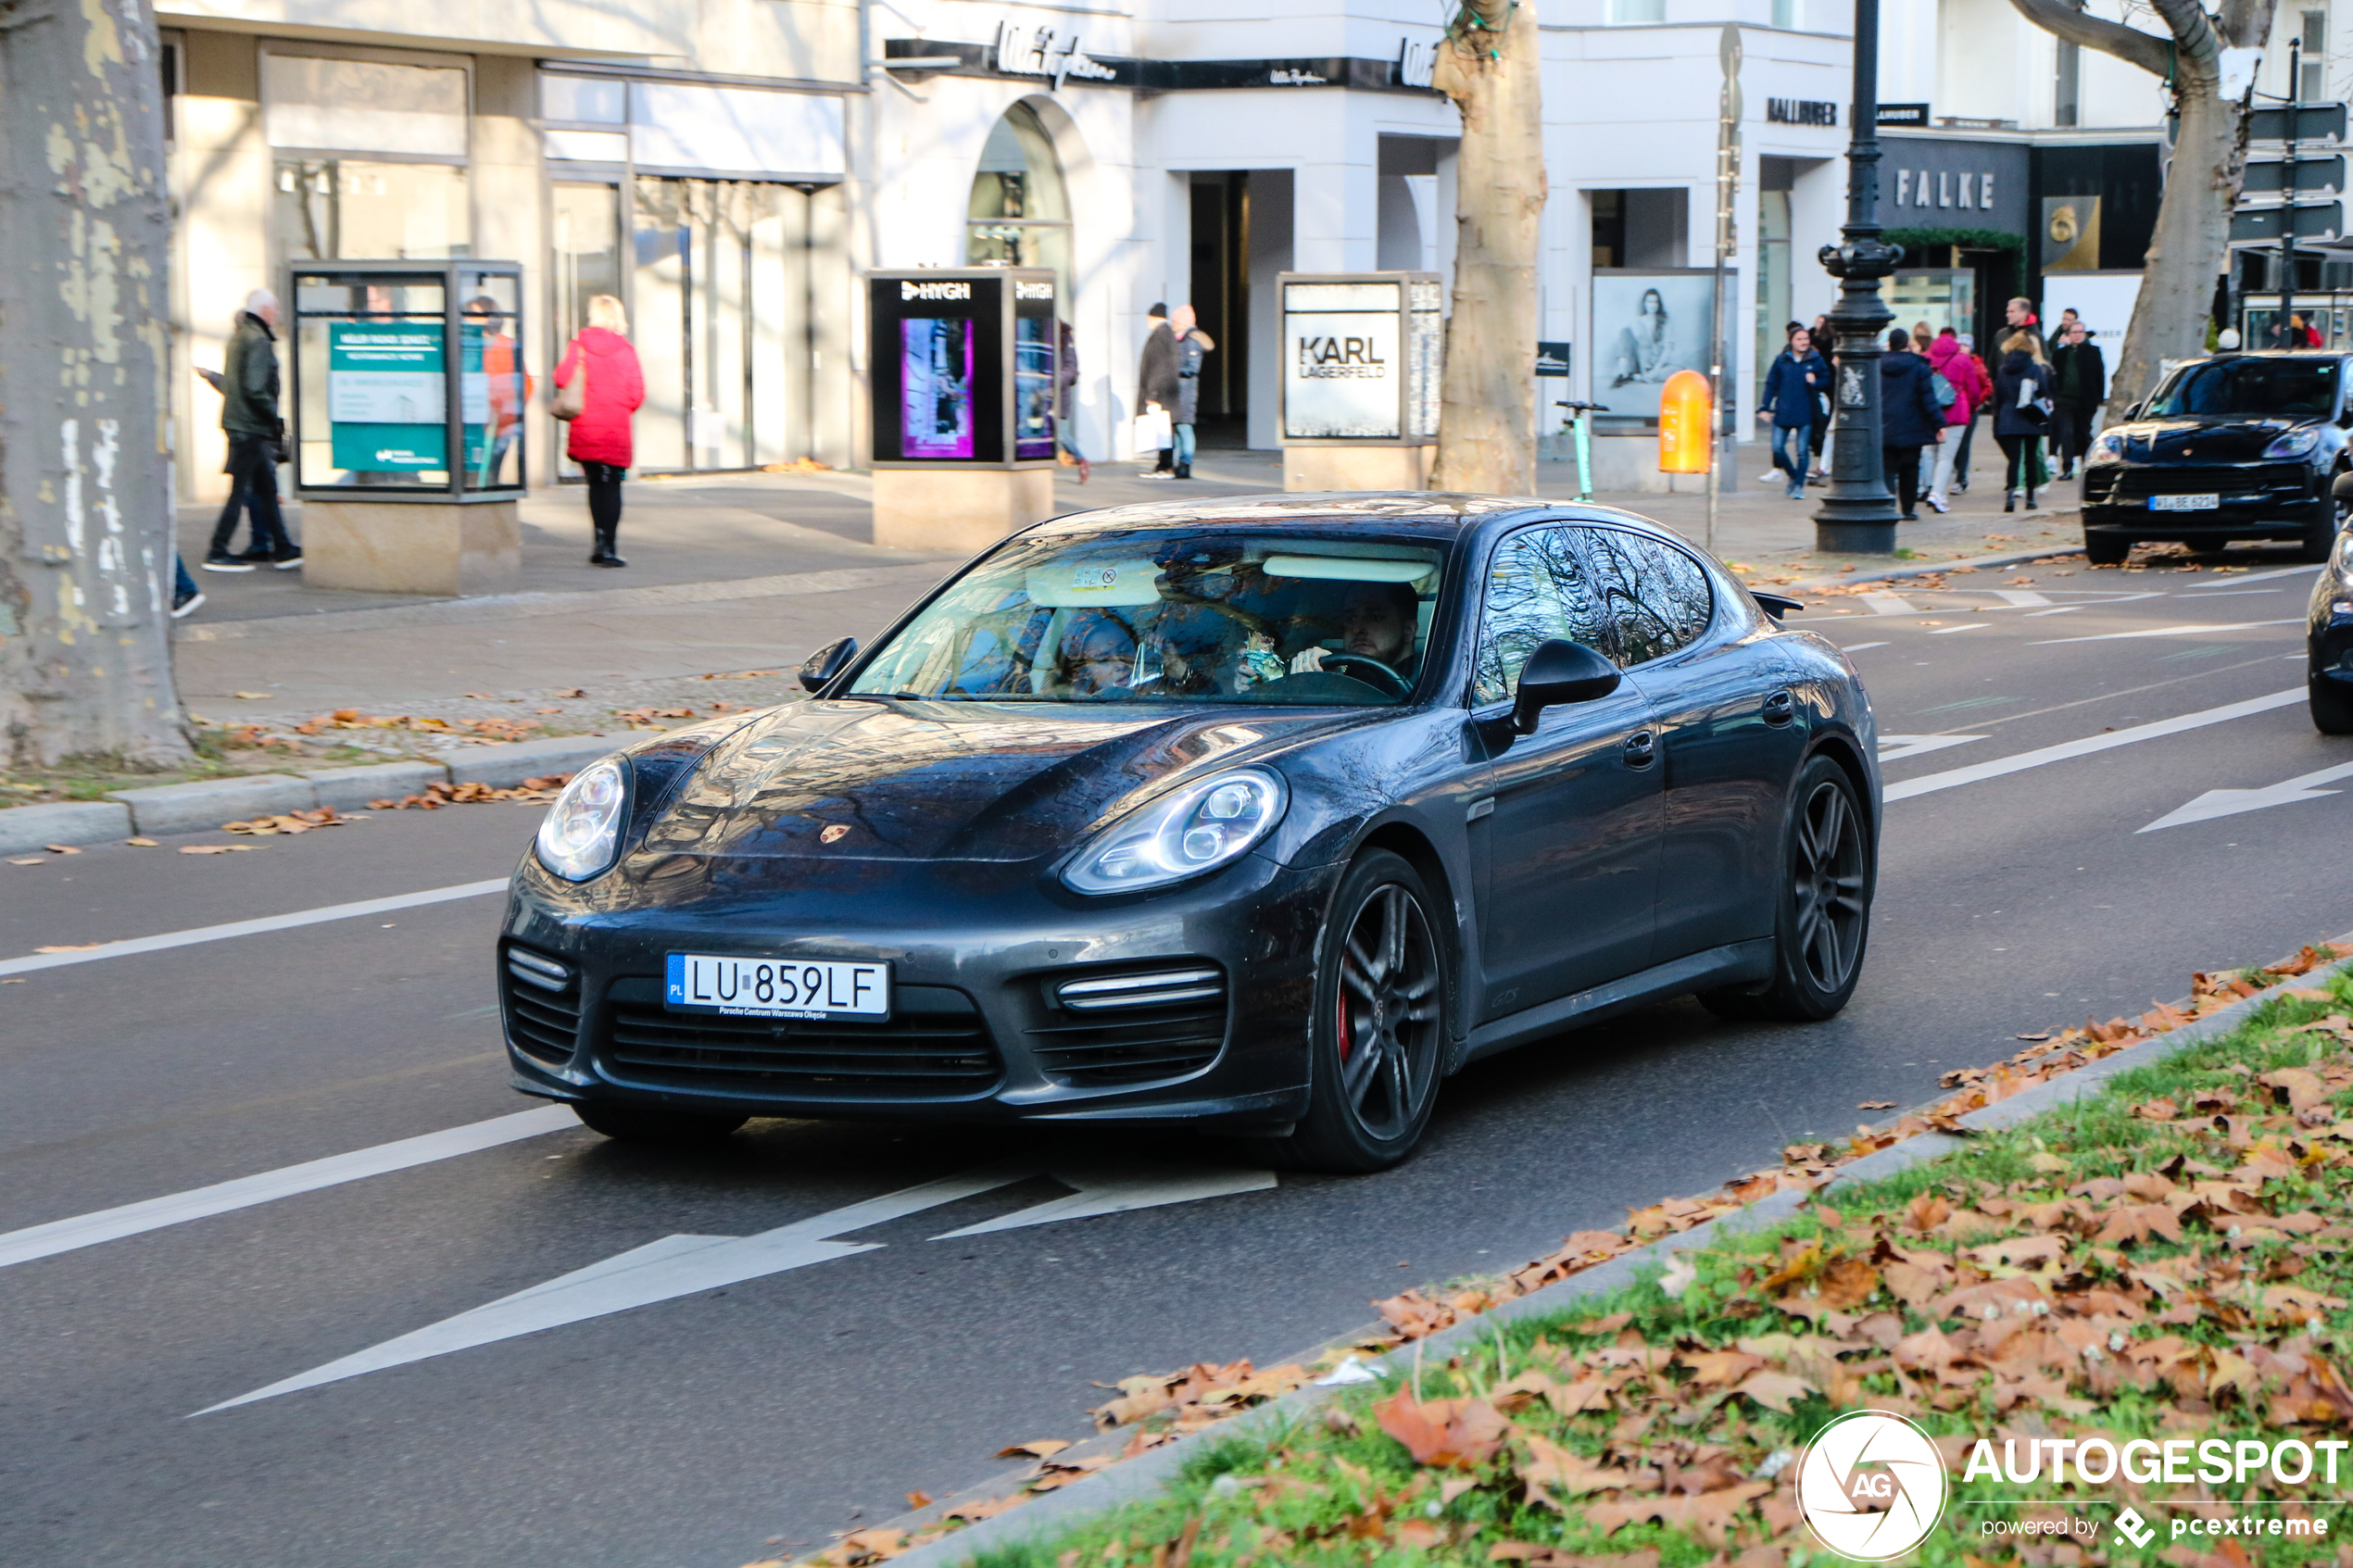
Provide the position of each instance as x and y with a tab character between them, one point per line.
2274	500
978	1033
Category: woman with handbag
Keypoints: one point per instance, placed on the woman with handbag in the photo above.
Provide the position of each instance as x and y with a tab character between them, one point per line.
2021	413
600	387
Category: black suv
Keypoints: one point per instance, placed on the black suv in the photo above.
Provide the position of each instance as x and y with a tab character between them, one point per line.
2236	447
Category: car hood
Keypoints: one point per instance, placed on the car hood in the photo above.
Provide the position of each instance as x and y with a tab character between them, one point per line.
944	781
2233	438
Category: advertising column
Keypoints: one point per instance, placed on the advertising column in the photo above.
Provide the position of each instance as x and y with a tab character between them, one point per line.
963	397
1363	354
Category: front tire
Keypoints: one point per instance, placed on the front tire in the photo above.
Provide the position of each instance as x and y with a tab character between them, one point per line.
2320	534
1379	1035
650	1124
2331	705
2102	548
1824	920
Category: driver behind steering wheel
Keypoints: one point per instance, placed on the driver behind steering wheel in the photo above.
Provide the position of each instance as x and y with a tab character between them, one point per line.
1377	622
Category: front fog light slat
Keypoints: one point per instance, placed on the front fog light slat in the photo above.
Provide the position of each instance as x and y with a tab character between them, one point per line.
1141	990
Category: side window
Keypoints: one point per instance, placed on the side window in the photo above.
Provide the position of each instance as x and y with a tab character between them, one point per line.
1656	597
1537	588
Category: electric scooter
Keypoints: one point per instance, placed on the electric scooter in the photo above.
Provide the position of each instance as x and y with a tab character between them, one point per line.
1584	413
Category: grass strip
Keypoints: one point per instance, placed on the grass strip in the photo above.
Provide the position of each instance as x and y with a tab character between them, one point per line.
2165	1260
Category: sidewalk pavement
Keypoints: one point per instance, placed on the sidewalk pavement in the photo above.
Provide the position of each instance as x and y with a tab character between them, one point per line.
750	571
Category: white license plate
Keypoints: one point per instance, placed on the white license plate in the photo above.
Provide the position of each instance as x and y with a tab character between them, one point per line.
776	987
2186	503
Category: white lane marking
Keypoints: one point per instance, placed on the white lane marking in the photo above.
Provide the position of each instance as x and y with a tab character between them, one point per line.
682	1265
2235	578
1894	749
153	1213
1107	1190
2232	592
2084	747
2062	610
2230	802
1964	626
1858	648
2190	630
1888	604
2024	597
252	927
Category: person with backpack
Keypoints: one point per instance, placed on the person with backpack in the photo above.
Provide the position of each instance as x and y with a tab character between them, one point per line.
1953	379
2021	413
1909	418
1796	375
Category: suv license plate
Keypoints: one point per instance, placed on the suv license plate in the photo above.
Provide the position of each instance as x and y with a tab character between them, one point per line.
776	987
2186	503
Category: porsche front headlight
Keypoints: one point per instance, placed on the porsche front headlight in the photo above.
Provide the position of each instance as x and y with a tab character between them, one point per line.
582	830
2294	443
1182	835
2106	449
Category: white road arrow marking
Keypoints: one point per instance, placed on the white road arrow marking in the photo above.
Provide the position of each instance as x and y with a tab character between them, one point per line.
1117	1190
2230	802
2235	578
2021	596
1954	777
1894	748
1889	604
684	1265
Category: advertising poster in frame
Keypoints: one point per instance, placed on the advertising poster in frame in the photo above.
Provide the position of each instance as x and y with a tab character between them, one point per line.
965	363
1362	355
936	387
1648	325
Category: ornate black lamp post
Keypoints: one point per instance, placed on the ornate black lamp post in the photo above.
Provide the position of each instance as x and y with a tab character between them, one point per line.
1859	515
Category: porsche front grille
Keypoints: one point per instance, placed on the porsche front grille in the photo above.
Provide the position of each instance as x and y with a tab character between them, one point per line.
935	1046
540	999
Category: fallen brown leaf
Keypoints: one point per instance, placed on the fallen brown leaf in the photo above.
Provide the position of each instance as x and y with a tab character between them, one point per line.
1044	1447
141	843
251	696
217	849
1876	1105
1443	1434
61	849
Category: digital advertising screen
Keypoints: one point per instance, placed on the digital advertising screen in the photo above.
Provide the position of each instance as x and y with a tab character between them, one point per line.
1034	369
942	369
936	387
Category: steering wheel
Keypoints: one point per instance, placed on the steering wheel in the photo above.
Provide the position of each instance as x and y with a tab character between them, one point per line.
1372	671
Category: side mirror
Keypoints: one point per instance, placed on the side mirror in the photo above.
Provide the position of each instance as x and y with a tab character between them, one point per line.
1774	605
1559	671
819	669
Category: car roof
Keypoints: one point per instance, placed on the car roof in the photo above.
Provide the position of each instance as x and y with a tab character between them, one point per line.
2264	354
1438	514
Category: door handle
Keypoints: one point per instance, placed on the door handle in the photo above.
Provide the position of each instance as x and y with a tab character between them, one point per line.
1780	707
1641	746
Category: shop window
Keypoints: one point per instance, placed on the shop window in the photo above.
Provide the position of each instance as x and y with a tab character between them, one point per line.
1019	212
1790	14
1631	13
1641	228
329	105
2314	86
328	209
2068	106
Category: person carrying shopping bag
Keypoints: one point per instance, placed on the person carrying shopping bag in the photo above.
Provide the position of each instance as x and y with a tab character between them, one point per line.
2021	413
600	387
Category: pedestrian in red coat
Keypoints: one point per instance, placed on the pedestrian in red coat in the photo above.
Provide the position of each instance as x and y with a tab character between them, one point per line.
599	440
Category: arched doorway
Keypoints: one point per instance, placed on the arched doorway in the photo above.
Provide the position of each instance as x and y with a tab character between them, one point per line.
1019	215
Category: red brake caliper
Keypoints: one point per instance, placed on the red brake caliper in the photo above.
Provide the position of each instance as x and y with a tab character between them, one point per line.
1343	1025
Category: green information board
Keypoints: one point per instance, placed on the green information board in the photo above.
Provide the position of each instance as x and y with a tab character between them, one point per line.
387	403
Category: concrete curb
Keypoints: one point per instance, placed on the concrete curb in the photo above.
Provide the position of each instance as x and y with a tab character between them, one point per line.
207	803
503	767
1147	1472
70	822
1890	575
350	789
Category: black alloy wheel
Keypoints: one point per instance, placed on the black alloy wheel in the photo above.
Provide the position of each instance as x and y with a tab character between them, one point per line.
1825	916
2103	548
650	1124
1379	1036
2329	515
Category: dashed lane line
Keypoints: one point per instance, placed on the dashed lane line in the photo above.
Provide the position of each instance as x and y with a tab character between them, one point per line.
2189	630
250	927
2108	740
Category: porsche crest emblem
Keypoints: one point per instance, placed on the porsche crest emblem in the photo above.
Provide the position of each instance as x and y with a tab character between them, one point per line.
833	832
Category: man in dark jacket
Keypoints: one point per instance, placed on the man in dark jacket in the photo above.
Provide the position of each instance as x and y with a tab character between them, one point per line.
1909	418
1156	382
2079	381
1797	375
248	386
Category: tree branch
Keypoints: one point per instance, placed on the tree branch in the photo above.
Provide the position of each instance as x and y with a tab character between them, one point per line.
2246	23
2193	31
2127	43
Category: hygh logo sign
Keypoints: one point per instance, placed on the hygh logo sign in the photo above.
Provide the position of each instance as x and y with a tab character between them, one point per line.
1872	1487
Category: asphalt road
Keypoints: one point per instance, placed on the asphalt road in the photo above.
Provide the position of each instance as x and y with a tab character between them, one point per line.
710	1428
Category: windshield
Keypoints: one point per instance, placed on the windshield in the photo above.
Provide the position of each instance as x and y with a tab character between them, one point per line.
2293	388
1176	616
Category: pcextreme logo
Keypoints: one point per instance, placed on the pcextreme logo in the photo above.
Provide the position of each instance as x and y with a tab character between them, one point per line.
1872	1485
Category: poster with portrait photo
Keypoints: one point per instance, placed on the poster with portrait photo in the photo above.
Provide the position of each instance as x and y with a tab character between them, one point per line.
1648	325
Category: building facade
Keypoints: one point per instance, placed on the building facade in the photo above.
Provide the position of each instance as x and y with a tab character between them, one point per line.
727	168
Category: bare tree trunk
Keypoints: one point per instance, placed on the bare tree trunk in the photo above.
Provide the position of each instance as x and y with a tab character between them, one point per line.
85	536
1487	422
2191	246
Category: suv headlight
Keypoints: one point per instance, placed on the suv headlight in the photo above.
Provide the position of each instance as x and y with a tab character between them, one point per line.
1182	835
2106	449
583	828
2294	443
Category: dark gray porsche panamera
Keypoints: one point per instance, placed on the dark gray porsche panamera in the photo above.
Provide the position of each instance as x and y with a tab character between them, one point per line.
1259	816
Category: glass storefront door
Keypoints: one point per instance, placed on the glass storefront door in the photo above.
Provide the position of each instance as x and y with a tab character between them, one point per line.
719	279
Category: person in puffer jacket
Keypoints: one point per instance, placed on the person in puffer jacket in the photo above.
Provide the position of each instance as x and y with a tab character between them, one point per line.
1949	360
